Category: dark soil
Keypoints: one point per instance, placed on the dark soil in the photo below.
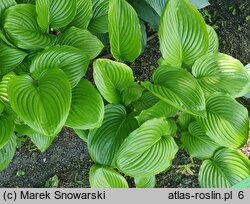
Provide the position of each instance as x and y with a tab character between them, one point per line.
68	157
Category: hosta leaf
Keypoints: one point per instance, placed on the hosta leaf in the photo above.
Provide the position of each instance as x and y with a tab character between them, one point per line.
226	121
143	35
56	14
200	3
42	104
222	73
42	142
3	87
145	182
197	143
24	67
82	134
87	108
182	33
111	78
131	93
9	58
213	40
184	120
21	27
82	39
226	168
159	110
71	60
7	127
124	31
157	5
178	88
24	129
146	101
1	107
248	71
4	4
99	21
83	14
105	177
104	142
7	153
148	150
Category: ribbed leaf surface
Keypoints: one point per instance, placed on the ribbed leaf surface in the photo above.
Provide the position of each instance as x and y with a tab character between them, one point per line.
226	121
104	142
7	127
71	60
42	142
213	40
200	3
111	78
148	150
145	182
21	27
222	73
226	168
82	39
147	100
43	104
178	88
82	134
157	5
131	93
87	108
105	177
182	33
124	31
4	4
184	120
3	87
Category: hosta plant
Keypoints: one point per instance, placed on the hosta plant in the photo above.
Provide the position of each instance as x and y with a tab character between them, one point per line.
131	128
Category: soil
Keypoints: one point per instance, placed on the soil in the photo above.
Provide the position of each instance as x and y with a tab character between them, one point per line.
68	157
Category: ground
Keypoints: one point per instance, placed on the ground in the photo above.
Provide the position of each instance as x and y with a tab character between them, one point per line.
68	157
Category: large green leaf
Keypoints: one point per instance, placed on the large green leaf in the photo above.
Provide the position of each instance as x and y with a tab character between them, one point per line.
148	150
21	27
222	73
145	182
71	60
7	127
147	100
157	5
3	87
184	120
99	21
178	88
42	142
7	153
105	177
124	31
42	104
226	122
104	142
226	168
4	4
87	108
56	14
213	40
182	33
197	143
82	39
111	78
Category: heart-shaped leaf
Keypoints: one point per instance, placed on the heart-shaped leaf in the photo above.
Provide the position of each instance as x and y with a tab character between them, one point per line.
226	121
43	104
21	27
213	40
105	177
178	88
4	4
145	182
124	31
227	167
87	108
111	78
71	60
104	142
7	127
148	150
42	142
222	73
182	33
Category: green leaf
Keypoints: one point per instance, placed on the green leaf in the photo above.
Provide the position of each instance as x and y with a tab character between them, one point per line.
148	150
83	14
182	33
157	5
178	88
4	4
144	35
248	71
131	94
145	182
222	73
105	177
87	108
213	40
226	121
7	153
146	101
104	142
82	39
124	31
71	60
1	107
52	182
184	120
159	110
7	127
111	78
24	129
43	104
99	21
3	87
226	168
21	27
56	14
200	3
197	143
82	134
243	184
24	67
42	142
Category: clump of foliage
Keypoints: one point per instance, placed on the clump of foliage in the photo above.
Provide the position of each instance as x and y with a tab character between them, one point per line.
46	49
